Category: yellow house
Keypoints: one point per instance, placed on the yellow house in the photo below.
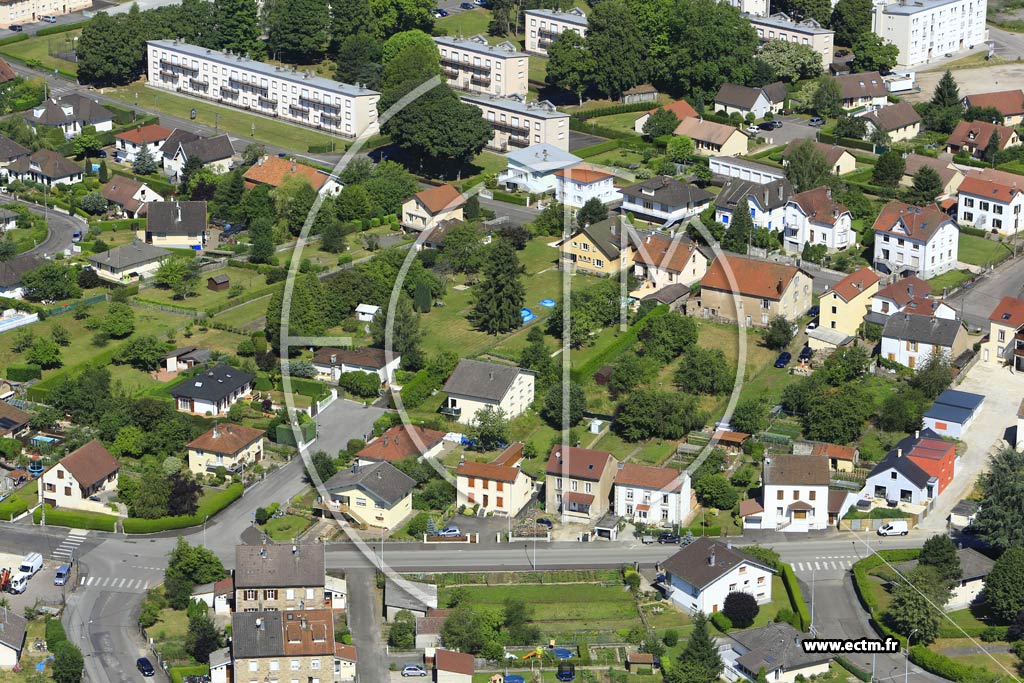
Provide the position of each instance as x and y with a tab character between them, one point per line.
377	495
840	458
602	248
840	161
949	175
228	446
899	121
713	139
843	307
344	662
428	208
1005	324
175	225
499	487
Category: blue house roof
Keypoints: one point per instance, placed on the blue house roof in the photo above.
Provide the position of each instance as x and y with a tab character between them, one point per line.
947	413
960	399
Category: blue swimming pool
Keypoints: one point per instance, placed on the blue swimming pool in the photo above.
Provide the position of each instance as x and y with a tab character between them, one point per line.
563	653
42	438
527	315
548	303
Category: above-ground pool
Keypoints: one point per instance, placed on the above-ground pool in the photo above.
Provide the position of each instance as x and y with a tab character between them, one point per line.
548	303
563	652
514	678
527	314
42	438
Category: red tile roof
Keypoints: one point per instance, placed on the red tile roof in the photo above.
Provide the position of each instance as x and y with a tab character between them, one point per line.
668	253
645	476
441	198
511	455
273	171
762	279
750	507
990	189
706	131
832	153
489	471
90	464
1006	102
577	497
918	223
308	632
227	439
583	173
831	450
578	463
455	662
6	72
224	586
145	134
735	438
819	205
397	443
346	652
681	108
903	291
977	134
855	284
1010	311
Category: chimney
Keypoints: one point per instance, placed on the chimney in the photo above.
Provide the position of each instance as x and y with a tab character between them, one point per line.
490	376
711	558
259	624
178	207
260	162
917	433
899	452
780	192
828	192
216	432
293	165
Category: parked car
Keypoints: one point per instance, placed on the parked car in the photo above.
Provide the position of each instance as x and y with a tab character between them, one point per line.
76	236
102	154
449	532
896	528
63	573
32	563
816	121
467	5
145	667
481	3
783	359
812	325
814	311
668	537
17	28
413	670
842	53
805	354
753	130
50	19
769	125
442	12
544	521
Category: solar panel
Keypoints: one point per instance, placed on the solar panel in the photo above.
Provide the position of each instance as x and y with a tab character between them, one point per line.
7	423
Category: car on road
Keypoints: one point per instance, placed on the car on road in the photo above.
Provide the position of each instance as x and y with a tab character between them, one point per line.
62	575
783	359
413	670
896	528
467	5
814	311
770	125
544	521
17	28
145	667
449	532
805	354
50	19
816	121
668	537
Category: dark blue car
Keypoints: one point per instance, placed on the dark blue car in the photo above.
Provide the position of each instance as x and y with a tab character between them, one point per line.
783	359
145	667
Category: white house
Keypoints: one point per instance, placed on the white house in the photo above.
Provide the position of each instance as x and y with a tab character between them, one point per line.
814	217
927	30
952	412
475	385
214	153
212	392
744	169
366	312
918	469
664	201
576	185
533	169
128	263
701	575
652	495
743	100
128	144
220	661
46	167
13	629
974	568
80	475
909	339
776	649
766	201
332	363
794	495
660	261
344	662
71	113
914	240
991	200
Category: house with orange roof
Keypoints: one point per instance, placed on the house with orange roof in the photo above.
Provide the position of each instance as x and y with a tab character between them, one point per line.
914	240
973	137
401	442
661	260
128	144
577	185
750	292
713	139
917	470
843	306
1009	103
651	495
894	297
1005	342
991	201
579	483
498	487
681	108
226	445
815	217
274	171
428	208
839	458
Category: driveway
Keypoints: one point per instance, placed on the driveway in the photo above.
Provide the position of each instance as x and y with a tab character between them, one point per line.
344	420
60	228
793	128
1002	390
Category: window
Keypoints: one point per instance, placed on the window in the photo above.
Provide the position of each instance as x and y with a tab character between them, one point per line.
586	487
309	593
250	594
470	482
254	665
796	494
812	494
274	665
314	664
968	216
760	580
289	594
732	586
295	665
779	495
270	594
500	486
892	475
501	502
572	484
60	474
743	569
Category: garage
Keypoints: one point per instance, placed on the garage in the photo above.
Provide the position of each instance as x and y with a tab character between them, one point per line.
952	412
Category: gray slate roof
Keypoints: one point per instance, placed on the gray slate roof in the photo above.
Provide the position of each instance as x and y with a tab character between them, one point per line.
775	646
480	379
973	564
739	96
769	196
11	271
420	597
276	566
174	140
9	149
214	384
208	150
381	480
249	641
922	329
129	255
796	470
606	236
669	192
776	92
83	110
177	218
904	465
693	566
12	629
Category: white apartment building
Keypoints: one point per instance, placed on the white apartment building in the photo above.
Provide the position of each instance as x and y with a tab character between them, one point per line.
543	26
518	123
473	65
807	32
991	200
287	94
814	217
579	184
911	240
924	30
28	11
755	7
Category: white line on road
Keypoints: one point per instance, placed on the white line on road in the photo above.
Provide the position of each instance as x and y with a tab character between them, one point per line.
89	582
121	585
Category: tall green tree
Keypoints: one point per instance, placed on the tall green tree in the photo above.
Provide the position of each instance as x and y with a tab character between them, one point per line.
661	122
297	30
352	17
828	98
68	663
704	371
791	62
806	167
889	169
464	248
871	53
986	114
916	605
238	27
358	60
940	552
850	20
699	661
499	298
592	211
570	64
105	52
144	163
1000	519
933	376
926	187
992	148
665	337
406	333
947	92
1004	585
261	235
740	229
307	306
552	410
616	47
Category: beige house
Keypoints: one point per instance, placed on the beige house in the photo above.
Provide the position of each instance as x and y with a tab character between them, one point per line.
345	660
296	644
279	577
865	90
453	667
13	628
713	139
579	483
844	305
175	225
899	121
30	11
227	445
374	495
474	65
660	260
128	263
949	175
1009	103
498	487
839	159
973	137
600	249
428	208
89	471
543	26
476	385
517	123
807	32
764	289
1005	342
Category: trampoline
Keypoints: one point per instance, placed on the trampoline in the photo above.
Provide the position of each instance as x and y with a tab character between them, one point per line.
527	315
513	678
548	303
563	652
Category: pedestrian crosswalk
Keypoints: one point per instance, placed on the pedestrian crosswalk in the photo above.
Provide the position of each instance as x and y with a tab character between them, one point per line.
115	583
66	550
827	563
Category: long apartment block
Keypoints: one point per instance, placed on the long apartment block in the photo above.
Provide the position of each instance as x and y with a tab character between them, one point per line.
287	94
543	26
521	124
474	66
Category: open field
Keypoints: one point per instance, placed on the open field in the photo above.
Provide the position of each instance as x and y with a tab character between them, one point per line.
245	314
205	298
38	49
229	120
468	23
623	122
979	251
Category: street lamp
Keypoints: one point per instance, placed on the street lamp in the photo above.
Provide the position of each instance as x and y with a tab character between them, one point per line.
906	666
207	519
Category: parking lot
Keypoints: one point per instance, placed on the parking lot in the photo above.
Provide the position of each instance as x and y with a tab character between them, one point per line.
40	592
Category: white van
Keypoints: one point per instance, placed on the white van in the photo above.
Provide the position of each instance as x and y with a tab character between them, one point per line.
897	528
32	563
19	583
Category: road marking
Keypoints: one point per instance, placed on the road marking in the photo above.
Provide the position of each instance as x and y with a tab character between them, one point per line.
121	585
81	581
817	566
78	532
800	566
89	582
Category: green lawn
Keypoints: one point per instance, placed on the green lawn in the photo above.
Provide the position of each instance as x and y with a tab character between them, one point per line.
231	120
651	452
623	121
538	69
39	49
467	23
245	314
941	284
203	297
979	251
286	528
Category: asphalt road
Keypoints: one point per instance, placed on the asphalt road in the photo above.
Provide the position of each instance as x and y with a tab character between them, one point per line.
978	301
61	227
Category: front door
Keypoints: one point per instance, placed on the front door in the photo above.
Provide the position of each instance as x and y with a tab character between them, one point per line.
485	500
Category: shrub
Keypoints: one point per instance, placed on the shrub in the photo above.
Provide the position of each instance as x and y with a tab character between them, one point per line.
721	622
210	505
75	519
741	608
24	372
670	638
362	384
993	633
943	666
796	598
55	633
418	389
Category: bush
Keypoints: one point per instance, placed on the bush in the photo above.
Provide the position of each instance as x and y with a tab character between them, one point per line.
860	673
796	598
178	673
55	633
362	384
721	622
24	372
75	519
210	505
12	507
418	389
670	638
943	666
993	633
741	608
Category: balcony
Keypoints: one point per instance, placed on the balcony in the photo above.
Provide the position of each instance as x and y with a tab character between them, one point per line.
197	84
230	93
451	411
544	42
511	128
519	142
180	68
547	34
169	75
248	87
482	81
267	102
457	64
319	106
296	110
450	73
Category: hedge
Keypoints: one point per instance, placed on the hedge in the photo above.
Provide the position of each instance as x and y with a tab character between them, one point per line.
209	507
977	232
509	198
418	389
75	519
12	507
796	598
866	145
50	30
13	39
943	666
867	598
599	148
178	673
598	130
616	348
860	673
54	633
361	384
307	387
615	109
698	531
23	372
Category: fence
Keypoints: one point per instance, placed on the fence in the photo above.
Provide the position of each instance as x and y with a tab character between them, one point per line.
166	308
76	304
